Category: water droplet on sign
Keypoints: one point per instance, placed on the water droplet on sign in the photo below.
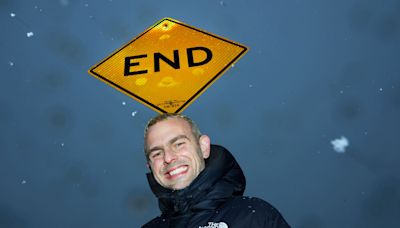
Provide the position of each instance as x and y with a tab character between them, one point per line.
141	81
164	37
167	82
198	71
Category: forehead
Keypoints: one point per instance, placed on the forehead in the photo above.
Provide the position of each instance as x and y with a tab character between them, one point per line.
167	129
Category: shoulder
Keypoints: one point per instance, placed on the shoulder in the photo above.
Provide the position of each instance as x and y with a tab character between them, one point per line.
156	222
255	212
255	203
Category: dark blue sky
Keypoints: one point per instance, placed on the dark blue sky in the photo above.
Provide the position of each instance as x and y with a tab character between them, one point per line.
71	146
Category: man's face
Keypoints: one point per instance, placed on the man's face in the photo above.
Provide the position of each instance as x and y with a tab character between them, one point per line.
176	157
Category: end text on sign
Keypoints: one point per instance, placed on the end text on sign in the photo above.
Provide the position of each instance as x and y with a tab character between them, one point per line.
133	62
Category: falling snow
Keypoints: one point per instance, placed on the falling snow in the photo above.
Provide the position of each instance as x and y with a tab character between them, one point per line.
365	95
339	145
64	2
40	9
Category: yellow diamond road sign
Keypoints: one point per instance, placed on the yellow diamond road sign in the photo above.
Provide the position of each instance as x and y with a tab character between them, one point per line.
169	65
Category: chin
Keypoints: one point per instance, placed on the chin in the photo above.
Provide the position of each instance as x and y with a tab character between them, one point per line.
179	186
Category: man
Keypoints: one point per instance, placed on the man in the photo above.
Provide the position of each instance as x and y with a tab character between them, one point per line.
197	184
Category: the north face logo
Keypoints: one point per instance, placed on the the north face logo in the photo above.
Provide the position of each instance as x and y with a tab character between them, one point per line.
215	225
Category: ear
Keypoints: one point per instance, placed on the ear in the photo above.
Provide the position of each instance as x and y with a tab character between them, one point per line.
205	147
148	166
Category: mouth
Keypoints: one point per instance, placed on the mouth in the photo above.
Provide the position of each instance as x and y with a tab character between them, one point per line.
176	172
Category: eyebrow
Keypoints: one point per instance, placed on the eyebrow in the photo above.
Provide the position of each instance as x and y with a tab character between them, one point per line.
153	149
172	141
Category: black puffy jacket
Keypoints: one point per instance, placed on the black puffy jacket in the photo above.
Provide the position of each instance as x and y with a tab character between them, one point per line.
214	199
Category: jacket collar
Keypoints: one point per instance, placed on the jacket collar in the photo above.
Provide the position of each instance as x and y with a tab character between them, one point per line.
221	179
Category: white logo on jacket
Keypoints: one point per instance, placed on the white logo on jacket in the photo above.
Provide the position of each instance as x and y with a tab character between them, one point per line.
215	225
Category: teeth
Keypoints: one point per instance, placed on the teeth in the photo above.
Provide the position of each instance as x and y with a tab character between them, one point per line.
178	170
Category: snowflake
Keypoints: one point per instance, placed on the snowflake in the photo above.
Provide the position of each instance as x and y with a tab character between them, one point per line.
339	145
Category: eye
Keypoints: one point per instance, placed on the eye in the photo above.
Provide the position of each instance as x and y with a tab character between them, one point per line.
180	144
155	154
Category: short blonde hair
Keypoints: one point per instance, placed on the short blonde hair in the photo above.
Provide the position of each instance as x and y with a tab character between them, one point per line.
165	116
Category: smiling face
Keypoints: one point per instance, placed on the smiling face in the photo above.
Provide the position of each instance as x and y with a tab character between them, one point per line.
175	155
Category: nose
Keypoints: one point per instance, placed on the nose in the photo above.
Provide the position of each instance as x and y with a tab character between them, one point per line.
169	155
